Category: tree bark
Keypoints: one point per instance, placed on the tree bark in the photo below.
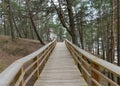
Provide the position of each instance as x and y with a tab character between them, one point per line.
81	32
71	21
10	20
118	33
33	24
5	28
71	26
112	34
16	27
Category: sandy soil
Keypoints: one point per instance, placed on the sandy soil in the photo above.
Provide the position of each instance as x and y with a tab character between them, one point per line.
11	51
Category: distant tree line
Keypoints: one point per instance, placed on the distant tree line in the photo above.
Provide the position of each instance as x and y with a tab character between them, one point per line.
28	19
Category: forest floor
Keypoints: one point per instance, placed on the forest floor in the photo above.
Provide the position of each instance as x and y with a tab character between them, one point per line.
11	51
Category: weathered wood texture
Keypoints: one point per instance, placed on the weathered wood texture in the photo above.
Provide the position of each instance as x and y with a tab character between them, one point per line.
94	70
60	70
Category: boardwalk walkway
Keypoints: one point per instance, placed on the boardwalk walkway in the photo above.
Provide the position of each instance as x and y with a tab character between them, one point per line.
60	70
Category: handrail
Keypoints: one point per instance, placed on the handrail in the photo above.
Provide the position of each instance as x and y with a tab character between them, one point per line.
21	71
94	69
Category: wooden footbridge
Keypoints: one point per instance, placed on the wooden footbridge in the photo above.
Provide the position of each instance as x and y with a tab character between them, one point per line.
60	64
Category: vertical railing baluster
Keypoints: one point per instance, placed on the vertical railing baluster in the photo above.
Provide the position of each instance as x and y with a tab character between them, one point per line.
22	71
37	66
36	75
94	75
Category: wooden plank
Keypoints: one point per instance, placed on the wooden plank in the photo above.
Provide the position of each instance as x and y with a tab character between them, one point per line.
60	70
95	67
104	64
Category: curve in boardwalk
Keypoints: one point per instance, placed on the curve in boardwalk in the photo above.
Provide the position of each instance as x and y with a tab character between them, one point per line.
60	70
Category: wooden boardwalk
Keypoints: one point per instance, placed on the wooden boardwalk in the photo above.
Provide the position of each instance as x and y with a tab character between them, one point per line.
60	70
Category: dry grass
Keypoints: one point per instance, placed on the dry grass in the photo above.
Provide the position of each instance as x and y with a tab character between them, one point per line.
11	51
2	65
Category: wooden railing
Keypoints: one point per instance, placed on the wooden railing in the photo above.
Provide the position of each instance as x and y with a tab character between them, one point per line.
95	71
25	71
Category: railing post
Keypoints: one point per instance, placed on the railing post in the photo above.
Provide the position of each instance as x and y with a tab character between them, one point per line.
94	75
21	71
74	55
36	65
84	66
92	67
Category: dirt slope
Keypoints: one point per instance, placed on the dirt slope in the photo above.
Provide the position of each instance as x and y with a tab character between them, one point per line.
11	51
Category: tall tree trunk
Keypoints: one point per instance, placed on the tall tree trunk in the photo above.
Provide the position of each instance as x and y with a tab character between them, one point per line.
10	20
81	33
108	42
33	24
71	26
98	44
103	50
118	33
48	34
16	27
81	36
5	28
112	33
31	33
71	21
97	38
4	10
98	50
